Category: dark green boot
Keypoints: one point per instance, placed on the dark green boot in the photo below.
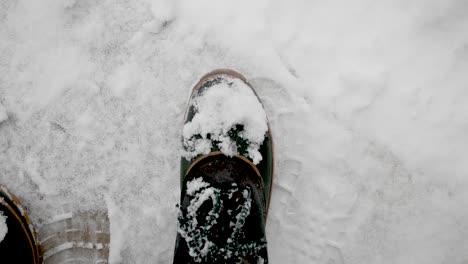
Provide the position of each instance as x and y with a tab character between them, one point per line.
265	166
226	173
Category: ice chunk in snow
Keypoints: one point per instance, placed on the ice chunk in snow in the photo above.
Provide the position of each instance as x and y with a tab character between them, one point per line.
195	185
3	227
221	108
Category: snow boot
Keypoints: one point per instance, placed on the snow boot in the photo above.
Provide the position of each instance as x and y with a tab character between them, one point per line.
18	239
265	166
226	173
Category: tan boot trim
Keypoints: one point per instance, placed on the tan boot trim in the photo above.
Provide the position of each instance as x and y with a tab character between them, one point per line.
219	72
215	153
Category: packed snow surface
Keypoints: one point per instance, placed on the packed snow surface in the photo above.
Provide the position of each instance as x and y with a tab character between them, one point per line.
3	227
367	102
3	113
218	110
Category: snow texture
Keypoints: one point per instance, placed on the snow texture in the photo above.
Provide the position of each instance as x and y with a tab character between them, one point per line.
3	227
367	102
218	110
3	113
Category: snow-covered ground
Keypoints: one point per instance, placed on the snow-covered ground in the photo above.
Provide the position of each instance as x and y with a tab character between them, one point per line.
367	100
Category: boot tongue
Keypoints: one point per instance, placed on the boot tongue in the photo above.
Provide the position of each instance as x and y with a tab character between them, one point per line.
221	224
